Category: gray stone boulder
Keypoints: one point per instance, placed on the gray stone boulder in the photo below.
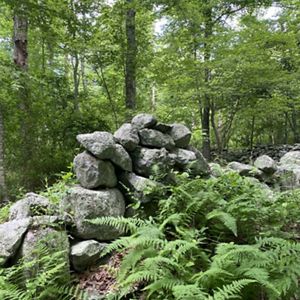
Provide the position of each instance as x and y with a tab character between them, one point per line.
140	188
121	158
188	160
162	127
244	169
54	241
85	254
127	136
11	236
216	169
31	205
156	139
266	164
291	158
288	177
100	143
93	173
143	121
181	135
83	204
146	160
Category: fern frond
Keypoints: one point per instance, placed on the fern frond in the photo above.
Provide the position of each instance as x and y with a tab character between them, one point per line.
231	290
227	219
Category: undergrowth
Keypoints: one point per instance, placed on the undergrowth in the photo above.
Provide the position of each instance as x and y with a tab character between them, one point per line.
222	238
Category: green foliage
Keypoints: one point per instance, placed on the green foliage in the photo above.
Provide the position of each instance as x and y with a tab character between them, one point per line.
211	239
50	281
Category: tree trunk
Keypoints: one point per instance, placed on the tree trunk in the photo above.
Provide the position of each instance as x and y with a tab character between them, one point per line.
130	67
207	77
20	40
3	189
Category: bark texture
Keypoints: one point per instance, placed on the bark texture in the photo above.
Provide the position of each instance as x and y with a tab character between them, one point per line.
130	68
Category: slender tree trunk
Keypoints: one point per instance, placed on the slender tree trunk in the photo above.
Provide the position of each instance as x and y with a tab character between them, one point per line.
76	80
20	40
3	189
153	98
207	78
130	67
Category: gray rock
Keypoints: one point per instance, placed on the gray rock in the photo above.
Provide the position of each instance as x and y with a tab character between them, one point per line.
288	176
266	164
291	158
181	135
188	161
143	121
11	235
127	136
84	204
85	254
54	241
121	158
162	127
93	173
216	170
100	143
140	188
243	169
156	139
145	160
31	205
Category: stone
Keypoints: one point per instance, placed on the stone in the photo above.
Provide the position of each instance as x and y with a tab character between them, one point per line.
11	236
156	139
143	121
244	169
85	254
181	135
83	204
121	158
55	242
188	161
266	164
162	127
146	160
127	136
201	164
291	158
93	173
216	170
140	188
100	143
31	205
288	176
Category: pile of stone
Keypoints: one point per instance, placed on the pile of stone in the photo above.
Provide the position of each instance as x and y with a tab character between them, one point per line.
283	174
249	155
112	170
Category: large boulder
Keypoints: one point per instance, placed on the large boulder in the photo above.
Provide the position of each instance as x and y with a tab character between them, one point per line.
11	236
43	238
84	204
127	136
121	158
188	160
143	121
31	205
244	169
93	173
181	135
291	158
156	139
266	164
288	176
145	160
100	143
85	254
140	188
